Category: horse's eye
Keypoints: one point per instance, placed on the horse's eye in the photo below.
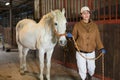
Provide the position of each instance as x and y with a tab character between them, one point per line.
56	24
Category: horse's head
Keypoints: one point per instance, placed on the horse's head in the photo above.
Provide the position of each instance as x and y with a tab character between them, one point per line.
60	26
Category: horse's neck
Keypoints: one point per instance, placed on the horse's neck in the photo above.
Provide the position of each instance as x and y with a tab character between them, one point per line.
43	28
47	33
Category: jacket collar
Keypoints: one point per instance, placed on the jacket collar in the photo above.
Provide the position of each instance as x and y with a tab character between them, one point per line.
85	24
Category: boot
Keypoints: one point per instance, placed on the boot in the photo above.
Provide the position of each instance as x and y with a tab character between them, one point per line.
88	77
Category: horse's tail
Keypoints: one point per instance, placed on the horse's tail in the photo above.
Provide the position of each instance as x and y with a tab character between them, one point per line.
17	31
19	26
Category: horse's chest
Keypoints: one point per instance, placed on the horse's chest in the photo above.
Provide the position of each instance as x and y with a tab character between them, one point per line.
47	43
48	46
46	39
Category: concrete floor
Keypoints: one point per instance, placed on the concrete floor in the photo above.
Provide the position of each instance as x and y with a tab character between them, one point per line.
9	69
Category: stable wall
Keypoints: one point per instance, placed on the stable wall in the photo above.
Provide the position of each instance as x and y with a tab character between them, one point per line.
110	35
111	39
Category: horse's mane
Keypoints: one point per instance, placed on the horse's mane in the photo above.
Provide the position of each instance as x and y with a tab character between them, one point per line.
48	22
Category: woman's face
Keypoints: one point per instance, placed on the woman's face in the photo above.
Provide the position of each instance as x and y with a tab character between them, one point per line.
85	15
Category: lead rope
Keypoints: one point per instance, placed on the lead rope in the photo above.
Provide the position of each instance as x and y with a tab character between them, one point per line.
102	67
101	54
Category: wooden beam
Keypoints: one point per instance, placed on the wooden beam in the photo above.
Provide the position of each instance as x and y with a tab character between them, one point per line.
108	21
3	8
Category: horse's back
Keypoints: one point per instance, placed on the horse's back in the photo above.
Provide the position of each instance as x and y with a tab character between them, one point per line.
24	22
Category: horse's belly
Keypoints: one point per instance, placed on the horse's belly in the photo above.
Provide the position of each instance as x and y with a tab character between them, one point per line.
28	42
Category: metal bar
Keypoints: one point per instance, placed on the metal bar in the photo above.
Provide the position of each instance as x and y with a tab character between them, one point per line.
70	10
55	4
65	5
92	8
84	2
109	9
80	3
92	4
48	6
80	10
51	4
95	9
116	9
45	6
61	2
40	10
104	9
89	3
98	9
76	10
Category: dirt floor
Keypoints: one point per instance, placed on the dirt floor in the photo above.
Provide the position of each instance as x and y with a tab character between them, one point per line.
9	68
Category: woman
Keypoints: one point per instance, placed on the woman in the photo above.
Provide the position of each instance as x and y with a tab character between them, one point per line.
87	38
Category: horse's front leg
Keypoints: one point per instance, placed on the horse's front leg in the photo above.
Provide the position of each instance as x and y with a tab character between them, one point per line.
41	58
49	55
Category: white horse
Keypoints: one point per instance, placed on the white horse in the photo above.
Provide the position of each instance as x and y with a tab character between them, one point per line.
42	36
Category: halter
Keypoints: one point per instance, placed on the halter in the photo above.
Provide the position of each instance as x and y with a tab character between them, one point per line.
59	35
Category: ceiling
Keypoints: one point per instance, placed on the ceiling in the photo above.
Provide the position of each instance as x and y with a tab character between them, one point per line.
15	3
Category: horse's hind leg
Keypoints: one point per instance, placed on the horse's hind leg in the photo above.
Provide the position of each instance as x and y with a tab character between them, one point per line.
21	58
49	55
25	51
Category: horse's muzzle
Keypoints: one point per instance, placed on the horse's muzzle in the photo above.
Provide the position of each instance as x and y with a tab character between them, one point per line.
62	42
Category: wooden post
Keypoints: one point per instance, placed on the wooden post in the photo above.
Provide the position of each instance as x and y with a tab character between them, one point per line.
37	9
10	11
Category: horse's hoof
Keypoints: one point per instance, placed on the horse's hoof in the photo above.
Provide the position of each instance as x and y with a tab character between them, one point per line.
22	73
26	71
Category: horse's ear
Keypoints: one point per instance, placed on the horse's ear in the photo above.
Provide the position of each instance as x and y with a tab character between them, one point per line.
53	13
63	11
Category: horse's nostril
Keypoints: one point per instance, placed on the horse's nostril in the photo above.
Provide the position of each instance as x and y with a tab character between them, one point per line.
63	43
60	41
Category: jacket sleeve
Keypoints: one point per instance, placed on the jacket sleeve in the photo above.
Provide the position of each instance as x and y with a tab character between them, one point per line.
74	32
98	40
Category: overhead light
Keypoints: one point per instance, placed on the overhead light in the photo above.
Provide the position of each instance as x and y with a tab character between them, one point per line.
7	3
